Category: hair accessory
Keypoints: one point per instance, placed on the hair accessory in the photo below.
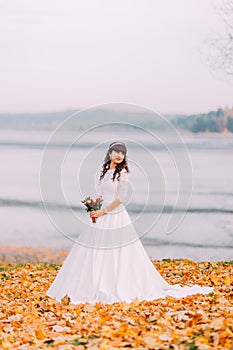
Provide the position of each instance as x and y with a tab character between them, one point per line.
116	143
121	146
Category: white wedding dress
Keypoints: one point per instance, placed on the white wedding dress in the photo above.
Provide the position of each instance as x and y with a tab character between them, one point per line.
109	263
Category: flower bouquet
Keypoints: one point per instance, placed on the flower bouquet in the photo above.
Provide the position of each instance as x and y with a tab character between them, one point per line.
92	204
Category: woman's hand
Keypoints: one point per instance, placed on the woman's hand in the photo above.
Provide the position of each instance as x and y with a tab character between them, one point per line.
97	213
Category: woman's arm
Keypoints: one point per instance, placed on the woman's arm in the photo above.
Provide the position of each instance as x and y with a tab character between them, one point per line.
113	205
110	207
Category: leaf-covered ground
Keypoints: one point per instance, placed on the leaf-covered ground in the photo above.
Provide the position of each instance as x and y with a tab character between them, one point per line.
31	320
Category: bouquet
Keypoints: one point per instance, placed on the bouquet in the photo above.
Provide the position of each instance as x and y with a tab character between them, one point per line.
92	204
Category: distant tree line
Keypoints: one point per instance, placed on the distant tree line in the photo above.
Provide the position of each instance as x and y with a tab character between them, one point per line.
214	121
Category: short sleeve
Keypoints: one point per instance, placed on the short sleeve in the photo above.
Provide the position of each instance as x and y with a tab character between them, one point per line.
123	187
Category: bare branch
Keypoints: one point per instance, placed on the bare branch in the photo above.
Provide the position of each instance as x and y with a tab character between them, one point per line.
222	47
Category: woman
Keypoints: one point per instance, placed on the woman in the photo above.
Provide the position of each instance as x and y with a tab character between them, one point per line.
110	264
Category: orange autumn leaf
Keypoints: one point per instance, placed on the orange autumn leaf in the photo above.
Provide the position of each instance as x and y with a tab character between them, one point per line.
39	334
30	319
227	280
65	300
215	279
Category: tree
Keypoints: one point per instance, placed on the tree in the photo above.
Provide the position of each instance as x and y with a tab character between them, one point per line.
220	112
219	124
230	124
199	125
221	53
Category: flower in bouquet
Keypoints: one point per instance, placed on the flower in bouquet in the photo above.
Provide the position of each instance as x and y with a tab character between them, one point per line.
92	204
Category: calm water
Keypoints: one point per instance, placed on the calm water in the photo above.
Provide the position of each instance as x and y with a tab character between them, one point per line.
206	232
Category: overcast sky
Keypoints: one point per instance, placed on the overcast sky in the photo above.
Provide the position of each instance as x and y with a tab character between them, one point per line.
62	54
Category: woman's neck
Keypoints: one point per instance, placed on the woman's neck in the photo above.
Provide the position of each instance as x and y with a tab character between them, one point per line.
112	166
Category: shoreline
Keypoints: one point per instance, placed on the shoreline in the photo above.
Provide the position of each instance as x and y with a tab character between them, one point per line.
184	132
34	255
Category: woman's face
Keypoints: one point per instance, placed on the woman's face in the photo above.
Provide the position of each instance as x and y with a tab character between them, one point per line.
116	157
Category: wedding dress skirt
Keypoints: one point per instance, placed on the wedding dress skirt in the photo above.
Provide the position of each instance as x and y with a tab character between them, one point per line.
109	263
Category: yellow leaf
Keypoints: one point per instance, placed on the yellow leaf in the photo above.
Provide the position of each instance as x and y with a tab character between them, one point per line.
227	280
65	300
214	279
39	334
88	308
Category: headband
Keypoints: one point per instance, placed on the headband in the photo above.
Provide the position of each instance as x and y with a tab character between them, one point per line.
116	143
121	144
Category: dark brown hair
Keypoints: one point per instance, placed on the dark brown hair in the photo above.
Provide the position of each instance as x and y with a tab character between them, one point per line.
118	147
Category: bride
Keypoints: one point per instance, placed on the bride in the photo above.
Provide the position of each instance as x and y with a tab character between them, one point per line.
109	263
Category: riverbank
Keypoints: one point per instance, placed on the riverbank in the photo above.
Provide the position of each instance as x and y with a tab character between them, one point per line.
34	255
184	132
24	254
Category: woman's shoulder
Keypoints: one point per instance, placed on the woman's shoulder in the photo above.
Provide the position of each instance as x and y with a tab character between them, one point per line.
124	175
124	171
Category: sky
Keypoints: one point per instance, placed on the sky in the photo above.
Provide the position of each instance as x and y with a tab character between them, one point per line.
72	54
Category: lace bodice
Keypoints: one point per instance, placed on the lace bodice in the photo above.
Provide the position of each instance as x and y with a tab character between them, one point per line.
111	190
